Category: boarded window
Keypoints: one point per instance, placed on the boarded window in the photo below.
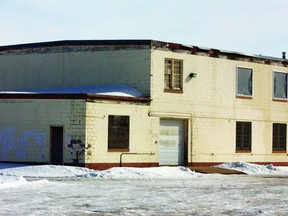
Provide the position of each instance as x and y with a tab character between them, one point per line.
118	132
279	137
243	135
280	85
173	74
244	81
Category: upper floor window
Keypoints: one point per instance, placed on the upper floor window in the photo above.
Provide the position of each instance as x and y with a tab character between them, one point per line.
244	81
173	75
118	133
280	85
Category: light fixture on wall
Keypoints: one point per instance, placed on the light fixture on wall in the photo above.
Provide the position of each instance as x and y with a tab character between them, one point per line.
192	75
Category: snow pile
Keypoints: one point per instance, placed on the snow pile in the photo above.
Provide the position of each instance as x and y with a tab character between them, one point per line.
48	171
105	89
147	173
253	168
69	172
12	177
14	174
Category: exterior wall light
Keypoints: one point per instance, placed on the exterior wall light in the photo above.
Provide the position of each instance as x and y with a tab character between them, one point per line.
192	75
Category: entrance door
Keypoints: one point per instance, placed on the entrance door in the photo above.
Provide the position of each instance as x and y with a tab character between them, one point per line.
56	147
172	142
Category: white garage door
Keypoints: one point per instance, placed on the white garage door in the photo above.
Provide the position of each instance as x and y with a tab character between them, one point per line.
171	150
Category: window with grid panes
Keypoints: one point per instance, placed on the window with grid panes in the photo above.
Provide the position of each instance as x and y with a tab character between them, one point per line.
243	136
173	74
118	132
279	137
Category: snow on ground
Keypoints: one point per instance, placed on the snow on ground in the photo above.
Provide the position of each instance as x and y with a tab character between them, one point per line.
249	168
62	190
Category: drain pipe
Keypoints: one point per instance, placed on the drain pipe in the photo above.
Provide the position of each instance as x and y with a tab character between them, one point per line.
127	153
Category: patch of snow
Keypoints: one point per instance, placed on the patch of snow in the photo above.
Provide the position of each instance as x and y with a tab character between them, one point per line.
250	168
16	181
47	171
104	89
147	173
69	172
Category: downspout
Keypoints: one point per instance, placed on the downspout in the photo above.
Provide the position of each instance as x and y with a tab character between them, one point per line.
191	139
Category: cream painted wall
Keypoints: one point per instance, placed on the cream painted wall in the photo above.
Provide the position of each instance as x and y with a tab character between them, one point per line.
39	69
208	101
25	128
143	132
211	100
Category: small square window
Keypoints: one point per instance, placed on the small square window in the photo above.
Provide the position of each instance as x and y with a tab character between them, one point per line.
244	81
279	137
280	85
243	136
118	132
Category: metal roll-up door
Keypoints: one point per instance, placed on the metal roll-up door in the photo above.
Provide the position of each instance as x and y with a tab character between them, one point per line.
171	150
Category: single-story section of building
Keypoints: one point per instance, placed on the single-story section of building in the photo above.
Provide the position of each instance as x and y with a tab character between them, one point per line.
76	126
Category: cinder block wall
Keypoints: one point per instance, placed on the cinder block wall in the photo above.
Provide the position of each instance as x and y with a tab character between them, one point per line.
75	66
25	128
210	100
143	134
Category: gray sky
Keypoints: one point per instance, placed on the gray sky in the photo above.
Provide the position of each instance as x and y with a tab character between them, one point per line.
249	26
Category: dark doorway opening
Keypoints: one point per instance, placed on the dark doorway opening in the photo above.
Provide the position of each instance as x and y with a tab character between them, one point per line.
56	147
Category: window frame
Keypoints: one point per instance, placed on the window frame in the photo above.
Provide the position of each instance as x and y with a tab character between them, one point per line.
239	95
112	132
273	90
242	147
171	88
276	138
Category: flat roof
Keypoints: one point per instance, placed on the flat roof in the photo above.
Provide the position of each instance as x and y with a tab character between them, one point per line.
212	52
80	96
118	92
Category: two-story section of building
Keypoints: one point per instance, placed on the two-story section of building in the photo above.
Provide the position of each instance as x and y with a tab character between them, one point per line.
105	103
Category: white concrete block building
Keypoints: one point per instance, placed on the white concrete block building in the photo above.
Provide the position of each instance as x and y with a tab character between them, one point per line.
105	103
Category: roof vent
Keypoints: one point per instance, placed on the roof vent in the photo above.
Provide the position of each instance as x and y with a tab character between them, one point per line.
284	55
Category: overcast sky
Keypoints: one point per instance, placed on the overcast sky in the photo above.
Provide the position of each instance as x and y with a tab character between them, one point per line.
248	26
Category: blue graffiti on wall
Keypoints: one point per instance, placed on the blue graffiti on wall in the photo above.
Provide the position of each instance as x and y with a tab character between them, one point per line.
20	146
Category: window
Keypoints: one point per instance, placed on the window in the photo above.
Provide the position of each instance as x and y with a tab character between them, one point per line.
173	75
280	85
279	137
243	136
244	81
118	132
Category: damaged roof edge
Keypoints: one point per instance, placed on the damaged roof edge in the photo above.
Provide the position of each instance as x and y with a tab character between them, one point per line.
212	52
86	97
